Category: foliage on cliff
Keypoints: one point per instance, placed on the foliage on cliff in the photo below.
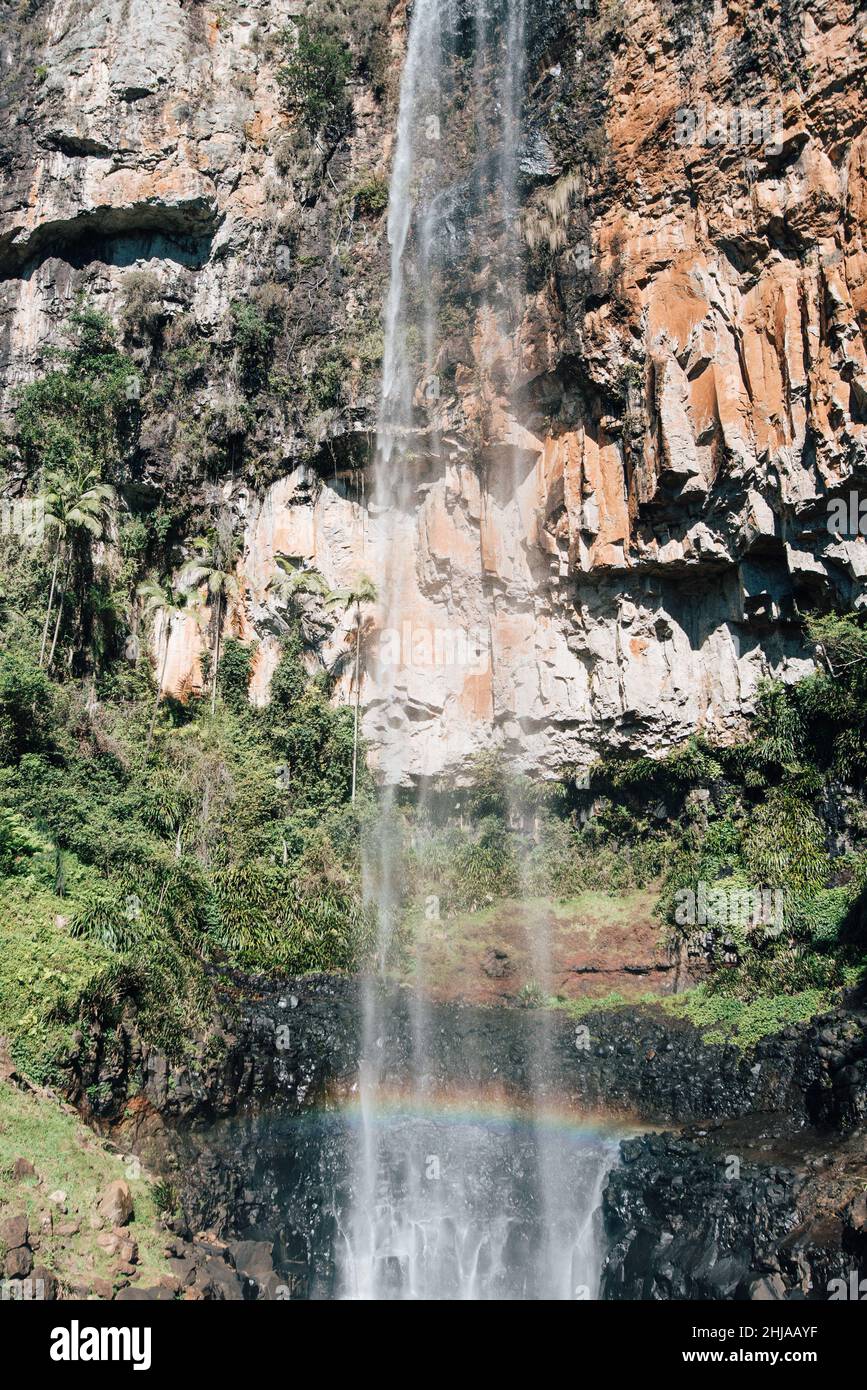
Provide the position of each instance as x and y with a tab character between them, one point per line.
141	840
769	868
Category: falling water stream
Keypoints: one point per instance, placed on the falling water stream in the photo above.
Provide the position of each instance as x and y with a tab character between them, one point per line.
441	1203
475	1203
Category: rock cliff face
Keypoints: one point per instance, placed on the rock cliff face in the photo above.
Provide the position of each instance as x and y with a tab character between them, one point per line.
287	1044
623	475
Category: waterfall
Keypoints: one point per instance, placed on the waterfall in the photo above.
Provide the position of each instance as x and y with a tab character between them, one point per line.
511	1211
460	1214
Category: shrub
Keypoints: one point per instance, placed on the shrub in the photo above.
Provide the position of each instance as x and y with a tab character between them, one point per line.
80	418
143	315
254	335
233	672
325	383
25	696
313	79
371	197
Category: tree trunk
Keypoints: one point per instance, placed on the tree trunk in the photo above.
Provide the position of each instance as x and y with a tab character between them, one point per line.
50	603
56	626
357	701
159	689
216	654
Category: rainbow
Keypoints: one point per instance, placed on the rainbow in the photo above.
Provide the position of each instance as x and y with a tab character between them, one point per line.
492	1108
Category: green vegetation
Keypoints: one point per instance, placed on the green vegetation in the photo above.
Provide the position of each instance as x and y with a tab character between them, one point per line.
313	79
256	325
371	196
231	839
143	839
355	598
325	384
49	982
332	42
720	1018
751	819
740	830
213	569
512	837
78	420
76	508
724	1019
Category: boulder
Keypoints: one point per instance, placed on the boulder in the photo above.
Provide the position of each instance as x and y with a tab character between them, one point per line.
218	1280
44	1283
116	1205
253	1260
856	1214
14	1231
19	1262
771	1288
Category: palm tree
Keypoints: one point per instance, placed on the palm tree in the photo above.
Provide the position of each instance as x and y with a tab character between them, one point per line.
214	567
364	591
159	600
72	505
295	580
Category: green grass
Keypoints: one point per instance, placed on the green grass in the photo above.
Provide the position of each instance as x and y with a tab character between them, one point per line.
588	912
723	1019
68	1157
579	1008
44	976
720	1018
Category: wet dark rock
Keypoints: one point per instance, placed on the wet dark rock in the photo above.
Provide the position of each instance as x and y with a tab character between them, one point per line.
706	1236
135	1294
254	1263
183	1270
690	1220
642	1061
678	1228
856	1216
217	1280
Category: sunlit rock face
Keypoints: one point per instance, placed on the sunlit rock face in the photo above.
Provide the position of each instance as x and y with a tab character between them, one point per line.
616	504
